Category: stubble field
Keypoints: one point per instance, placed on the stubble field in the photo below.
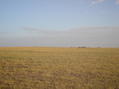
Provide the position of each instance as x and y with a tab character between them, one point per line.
59	68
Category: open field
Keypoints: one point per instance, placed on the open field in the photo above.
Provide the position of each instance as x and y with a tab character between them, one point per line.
59	68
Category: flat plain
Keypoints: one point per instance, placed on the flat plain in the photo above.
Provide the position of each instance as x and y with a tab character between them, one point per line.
59	68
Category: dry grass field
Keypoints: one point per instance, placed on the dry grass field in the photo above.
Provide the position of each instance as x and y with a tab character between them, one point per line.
59	68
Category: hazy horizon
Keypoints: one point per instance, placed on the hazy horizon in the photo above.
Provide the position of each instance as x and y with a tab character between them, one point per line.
59	23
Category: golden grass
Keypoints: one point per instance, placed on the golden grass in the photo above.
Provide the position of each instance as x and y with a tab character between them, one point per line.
59	68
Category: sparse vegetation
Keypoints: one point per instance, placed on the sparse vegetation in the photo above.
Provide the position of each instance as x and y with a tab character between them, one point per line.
59	68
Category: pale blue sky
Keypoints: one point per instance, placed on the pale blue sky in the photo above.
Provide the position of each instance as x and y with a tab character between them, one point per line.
59	23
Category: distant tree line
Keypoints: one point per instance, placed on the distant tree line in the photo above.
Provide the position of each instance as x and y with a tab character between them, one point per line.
85	47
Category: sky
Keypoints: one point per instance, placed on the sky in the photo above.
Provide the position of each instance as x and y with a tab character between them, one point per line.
59	23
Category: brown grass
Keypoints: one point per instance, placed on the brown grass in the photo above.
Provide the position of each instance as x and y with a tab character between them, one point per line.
59	68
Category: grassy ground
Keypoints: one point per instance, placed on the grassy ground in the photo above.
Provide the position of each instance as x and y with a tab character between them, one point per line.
59	68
